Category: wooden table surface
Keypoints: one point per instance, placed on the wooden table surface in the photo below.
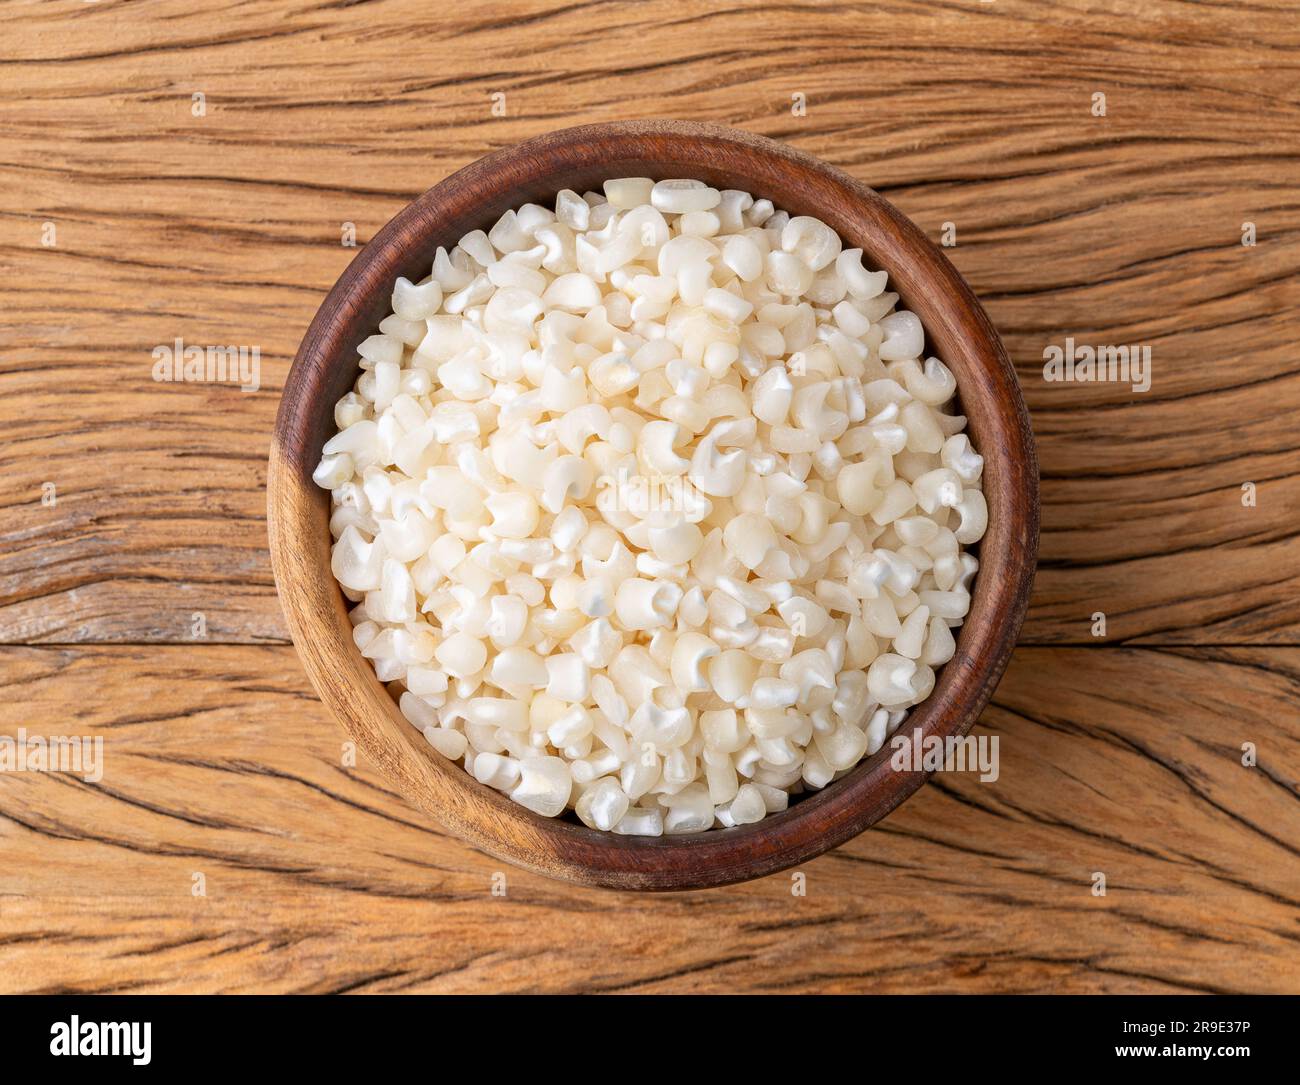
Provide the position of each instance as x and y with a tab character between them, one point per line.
138	604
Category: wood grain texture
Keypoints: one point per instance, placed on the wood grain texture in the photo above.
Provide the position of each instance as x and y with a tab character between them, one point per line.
320	877
226	229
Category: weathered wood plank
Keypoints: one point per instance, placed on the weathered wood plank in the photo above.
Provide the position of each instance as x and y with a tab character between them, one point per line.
226	228
219	761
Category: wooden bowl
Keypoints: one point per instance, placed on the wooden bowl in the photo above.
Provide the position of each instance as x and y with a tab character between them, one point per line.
580	159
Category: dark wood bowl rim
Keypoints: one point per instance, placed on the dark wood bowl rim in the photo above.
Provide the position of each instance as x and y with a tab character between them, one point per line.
957	329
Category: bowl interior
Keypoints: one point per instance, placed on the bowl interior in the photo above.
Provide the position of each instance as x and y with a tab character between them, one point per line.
957	331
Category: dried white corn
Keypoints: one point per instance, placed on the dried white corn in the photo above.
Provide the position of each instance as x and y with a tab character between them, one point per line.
653	505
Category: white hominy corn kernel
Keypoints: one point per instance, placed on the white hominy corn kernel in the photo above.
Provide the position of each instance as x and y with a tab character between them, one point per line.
639	821
815	243
461	655
496	770
679	197
628	192
646	604
653	507
448	742
602	805
544	786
